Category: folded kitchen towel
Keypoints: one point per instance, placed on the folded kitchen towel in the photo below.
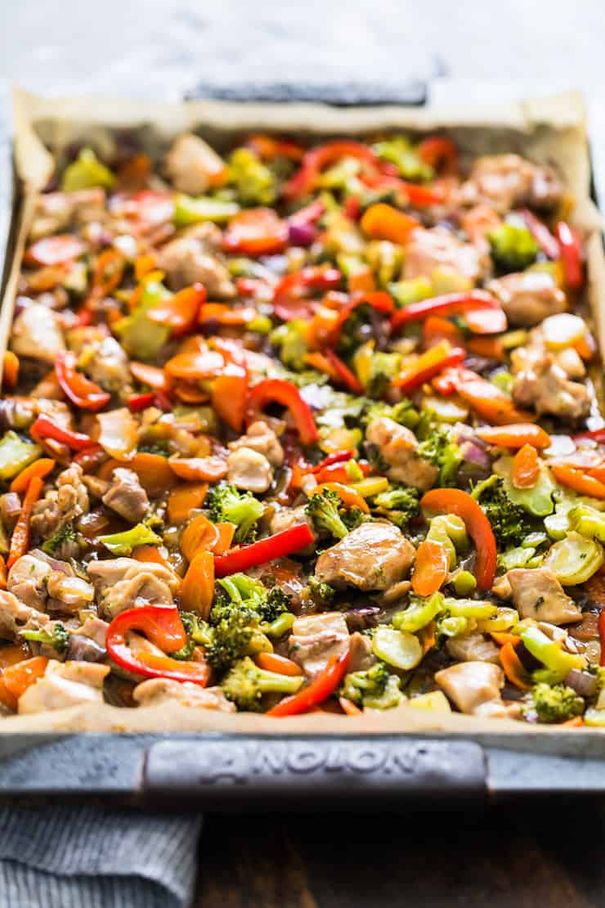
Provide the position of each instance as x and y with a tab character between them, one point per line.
95	857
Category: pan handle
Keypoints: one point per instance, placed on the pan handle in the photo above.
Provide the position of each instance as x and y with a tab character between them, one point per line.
219	771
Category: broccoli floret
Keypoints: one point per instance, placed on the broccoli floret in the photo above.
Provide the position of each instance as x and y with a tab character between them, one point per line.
554	703
57	637
323	509
404	413
376	688
225	503
399	151
513	247
290	340
357	329
250	595
510	522
66	533
198	634
399	504
245	684
440	450
321	593
383	369
235	635
254	182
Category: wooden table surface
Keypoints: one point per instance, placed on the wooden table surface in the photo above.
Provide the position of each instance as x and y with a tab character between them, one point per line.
543	854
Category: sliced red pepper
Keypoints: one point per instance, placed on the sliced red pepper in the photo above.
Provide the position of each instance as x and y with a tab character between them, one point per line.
430	364
541	234
455	501
163	627
571	254
384	222
448	304
257	231
268	147
597	435
323	686
80	390
108	272
345	375
318	159
44	427
54	250
439	152
291	295
417	196
138	402
278	391
338	472
277	546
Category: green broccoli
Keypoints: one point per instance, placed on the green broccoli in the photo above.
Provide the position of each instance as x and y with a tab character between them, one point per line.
510	522
251	595
399	151
375	688
225	503
383	369
290	340
399	504
357	329
554	703
57	637
246	684
321	593
66	533
404	413
254	182
235	635
324	510
198	634
513	247
440	450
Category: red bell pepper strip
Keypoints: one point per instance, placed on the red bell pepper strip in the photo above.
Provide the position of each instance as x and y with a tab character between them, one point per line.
437	152
597	435
571	255
80	390
54	250
323	686
256	231
541	234
291	294
278	391
378	300
270	549
138	402
44	427
268	148
305	180
455	501
162	625
343	373
417	196
338	472
430	364
448	304
22	531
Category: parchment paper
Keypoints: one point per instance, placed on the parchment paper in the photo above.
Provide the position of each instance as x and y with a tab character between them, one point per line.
547	130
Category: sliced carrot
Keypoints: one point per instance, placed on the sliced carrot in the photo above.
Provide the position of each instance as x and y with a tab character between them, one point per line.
229	395
431	567
515	435
2	573
436	328
17	678
513	667
574	478
490	347
195	366
151	553
153	471
526	468
39	468
198	535
22	531
10	369
383	222
226	532
349	497
348	707
229	316
362	280
271	662
576	722
209	469
197	590
501	638
184	499
180	312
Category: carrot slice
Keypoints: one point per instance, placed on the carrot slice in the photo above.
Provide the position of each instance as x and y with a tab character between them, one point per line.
39	468
197	590
431	567
184	499
526	468
271	662
22	532
513	667
200	534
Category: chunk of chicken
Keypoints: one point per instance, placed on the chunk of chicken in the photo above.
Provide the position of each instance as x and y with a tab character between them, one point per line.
473	648
509	181
286	518
14	615
374	556
64	684
538	594
469	685
542	383
27	580
126	496
61	505
56	210
160	691
438	249
362	657
37	333
109	366
123	583
96	629
192	165
529	297
46	583
397	448
261	437
194	256
316	638
249	470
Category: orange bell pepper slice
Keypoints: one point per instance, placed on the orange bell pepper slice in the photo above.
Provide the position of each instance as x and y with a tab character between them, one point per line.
348	707
437	328
271	662
576	479
383	222
184	499
229	394
10	369
22	532
515	435
199	534
488	401
431	567
226	532
254	232
349	497
180	312
18	677
513	667
455	501
153	470
197	590
208	469
526	468
39	468
195	365
151	553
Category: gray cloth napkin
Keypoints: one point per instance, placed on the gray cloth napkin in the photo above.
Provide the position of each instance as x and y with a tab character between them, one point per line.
95	857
